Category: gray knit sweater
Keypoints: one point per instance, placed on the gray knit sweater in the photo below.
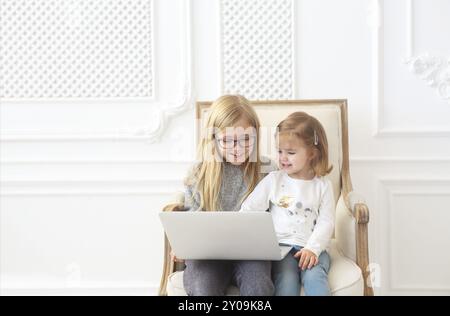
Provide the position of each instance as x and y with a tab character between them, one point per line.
232	190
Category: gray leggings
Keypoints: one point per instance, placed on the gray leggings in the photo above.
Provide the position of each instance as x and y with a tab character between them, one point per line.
212	277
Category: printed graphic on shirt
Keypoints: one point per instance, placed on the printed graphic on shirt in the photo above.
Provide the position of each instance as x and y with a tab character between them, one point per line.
310	218
285	201
302	218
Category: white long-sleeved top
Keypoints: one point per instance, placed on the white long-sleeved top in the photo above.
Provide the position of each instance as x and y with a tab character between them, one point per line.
302	210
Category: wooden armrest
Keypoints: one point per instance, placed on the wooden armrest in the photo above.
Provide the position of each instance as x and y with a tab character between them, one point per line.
169	265
357	206
176	203
174	207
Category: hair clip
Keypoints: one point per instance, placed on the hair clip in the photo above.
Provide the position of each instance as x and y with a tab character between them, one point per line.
316	138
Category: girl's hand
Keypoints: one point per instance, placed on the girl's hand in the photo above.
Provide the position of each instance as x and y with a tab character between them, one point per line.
174	258
308	259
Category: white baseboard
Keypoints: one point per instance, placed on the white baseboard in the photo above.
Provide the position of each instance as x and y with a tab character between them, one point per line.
81	291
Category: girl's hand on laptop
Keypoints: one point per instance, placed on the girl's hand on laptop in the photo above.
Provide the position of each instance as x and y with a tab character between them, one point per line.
174	258
308	259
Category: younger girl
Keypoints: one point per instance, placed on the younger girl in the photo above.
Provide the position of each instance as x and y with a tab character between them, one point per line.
229	170
302	205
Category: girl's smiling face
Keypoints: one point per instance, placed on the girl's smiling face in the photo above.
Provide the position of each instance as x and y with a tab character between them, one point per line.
236	143
295	158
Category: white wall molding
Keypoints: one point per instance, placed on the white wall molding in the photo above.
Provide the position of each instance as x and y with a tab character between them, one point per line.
164	110
408	180
399	159
188	163
379	130
41	187
434	70
106	290
98	193
376	17
186	101
97	161
69	53
385	184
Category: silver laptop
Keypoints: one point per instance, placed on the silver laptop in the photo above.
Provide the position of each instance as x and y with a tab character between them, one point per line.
223	235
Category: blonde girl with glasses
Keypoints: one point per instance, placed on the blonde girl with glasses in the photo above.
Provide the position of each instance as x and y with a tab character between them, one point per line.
229	168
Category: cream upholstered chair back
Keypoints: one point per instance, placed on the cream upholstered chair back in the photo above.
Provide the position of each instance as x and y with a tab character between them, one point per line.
331	113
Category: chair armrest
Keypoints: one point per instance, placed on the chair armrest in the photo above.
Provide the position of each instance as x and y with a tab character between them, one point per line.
176	204
356	204
352	218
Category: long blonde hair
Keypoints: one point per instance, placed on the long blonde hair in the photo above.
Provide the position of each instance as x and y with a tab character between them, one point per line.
225	112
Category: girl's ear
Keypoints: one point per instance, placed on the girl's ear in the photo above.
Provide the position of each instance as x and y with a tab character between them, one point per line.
313	153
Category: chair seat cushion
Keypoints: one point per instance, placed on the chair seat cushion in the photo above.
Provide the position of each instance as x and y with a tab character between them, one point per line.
345	277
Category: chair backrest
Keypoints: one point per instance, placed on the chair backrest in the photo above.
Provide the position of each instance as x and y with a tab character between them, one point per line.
331	113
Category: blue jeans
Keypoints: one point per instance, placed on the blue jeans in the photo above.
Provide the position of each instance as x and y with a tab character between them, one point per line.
288	277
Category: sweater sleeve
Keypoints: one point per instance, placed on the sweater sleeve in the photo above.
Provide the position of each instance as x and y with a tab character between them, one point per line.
259	199
191	200
323	231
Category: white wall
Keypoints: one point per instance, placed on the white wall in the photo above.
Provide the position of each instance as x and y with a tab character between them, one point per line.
88	161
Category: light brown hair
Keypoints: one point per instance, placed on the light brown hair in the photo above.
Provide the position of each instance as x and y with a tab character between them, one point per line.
304	127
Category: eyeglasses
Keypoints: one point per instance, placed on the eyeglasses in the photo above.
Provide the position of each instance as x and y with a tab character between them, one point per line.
229	142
